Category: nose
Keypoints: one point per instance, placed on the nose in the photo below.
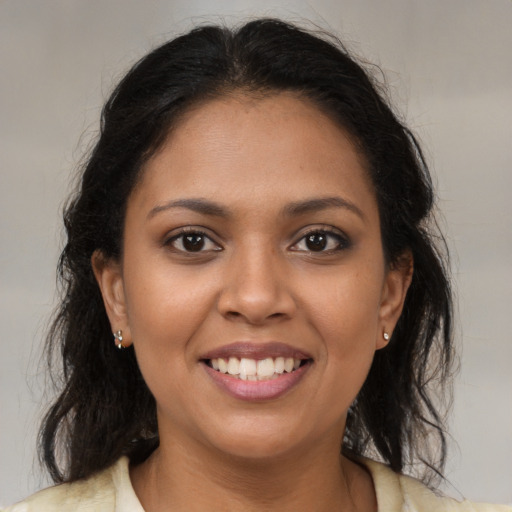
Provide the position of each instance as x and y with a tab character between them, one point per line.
256	288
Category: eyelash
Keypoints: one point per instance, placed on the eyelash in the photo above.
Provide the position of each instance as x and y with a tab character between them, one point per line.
191	232
342	242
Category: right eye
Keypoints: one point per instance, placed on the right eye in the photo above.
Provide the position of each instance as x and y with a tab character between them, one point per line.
192	241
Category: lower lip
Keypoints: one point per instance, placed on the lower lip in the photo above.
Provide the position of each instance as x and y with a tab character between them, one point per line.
257	391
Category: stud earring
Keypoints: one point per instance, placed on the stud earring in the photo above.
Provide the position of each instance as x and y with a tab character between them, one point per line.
386	336
118	339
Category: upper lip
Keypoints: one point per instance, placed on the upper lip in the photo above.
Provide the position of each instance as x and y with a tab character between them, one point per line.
254	350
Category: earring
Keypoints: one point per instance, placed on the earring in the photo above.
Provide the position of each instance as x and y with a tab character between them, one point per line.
386	336
118	339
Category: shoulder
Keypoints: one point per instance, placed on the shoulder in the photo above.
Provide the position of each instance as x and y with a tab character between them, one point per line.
402	493
98	493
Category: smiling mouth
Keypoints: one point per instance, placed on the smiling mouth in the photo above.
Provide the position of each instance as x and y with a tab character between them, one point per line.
249	369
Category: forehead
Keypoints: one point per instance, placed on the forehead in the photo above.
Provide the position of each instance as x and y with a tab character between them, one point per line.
253	147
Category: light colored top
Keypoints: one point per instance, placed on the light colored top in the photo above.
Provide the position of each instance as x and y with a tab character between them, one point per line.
112	491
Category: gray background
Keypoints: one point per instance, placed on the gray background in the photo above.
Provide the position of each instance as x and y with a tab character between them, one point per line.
449	69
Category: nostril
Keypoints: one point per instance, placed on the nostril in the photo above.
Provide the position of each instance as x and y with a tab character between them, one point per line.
252	318
255	306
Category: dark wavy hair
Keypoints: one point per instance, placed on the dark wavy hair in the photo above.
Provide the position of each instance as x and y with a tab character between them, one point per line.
104	409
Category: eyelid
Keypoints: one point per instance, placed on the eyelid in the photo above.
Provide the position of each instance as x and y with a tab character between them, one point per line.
177	233
344	241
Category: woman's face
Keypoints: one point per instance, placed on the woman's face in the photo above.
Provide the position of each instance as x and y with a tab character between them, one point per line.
252	246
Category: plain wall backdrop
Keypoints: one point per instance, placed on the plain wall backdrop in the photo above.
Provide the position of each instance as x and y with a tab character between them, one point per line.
449	69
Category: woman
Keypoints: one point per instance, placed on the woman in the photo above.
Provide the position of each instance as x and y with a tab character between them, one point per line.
253	226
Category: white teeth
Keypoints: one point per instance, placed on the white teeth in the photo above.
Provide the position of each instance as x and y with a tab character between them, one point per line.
247	367
266	367
252	369
233	366
223	365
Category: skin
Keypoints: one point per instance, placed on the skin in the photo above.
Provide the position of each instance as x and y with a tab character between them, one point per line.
255	280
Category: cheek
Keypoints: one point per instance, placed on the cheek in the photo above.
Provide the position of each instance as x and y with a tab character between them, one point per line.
164	314
346	314
165	308
347	304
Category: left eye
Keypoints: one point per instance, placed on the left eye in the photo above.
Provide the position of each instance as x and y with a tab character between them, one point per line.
320	241
193	241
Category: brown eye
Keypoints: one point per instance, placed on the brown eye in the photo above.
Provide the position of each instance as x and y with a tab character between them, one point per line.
316	241
321	241
192	242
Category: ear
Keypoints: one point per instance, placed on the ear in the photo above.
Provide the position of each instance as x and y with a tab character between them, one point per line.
110	280
396	284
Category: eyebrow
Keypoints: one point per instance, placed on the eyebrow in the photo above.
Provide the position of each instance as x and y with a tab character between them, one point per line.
321	203
203	206
296	208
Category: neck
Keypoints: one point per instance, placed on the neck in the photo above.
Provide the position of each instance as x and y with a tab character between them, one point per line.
180	477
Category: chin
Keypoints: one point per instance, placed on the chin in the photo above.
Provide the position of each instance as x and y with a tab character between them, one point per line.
257	451
263	441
